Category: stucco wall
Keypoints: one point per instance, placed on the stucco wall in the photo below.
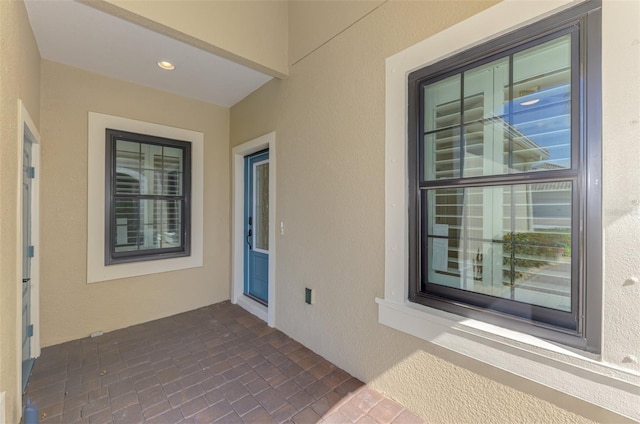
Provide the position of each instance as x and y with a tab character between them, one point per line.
19	79
329	122
71	308
314	22
621	182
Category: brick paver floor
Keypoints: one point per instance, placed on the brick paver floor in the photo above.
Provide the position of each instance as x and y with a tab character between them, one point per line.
215	364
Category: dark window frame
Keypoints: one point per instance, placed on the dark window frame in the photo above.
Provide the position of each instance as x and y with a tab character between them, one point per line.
110	255
584	21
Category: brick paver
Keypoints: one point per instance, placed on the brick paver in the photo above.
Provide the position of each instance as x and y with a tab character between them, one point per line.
215	364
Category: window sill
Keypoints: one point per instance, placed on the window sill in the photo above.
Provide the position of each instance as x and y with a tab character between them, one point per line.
578	374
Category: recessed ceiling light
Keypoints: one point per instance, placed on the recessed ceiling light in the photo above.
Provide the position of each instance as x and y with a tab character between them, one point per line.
167	66
530	102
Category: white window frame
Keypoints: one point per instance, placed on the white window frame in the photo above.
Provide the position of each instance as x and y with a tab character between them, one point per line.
96	269
574	372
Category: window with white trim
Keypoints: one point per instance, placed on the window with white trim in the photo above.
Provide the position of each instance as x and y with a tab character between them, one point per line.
504	139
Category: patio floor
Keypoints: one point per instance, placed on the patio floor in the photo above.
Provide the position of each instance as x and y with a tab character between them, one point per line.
215	364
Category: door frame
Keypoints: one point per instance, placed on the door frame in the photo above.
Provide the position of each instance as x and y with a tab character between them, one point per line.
27	130
238	153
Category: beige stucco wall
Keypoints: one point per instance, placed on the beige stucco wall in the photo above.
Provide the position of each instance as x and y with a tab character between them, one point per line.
621	189
329	121
314	22
254	33
19	79
71	308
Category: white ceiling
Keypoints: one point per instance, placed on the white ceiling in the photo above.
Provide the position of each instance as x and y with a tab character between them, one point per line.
74	34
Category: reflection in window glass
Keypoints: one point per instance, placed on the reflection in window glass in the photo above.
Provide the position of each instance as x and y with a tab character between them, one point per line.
541	109
442	154
510	241
442	104
532	132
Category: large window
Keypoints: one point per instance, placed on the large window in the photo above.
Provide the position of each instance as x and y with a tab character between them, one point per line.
147	197
501	141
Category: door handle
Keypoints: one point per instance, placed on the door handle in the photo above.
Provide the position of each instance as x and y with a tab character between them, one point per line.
249	234
25	280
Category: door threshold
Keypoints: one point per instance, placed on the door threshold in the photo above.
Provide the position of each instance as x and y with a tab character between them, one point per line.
256	299
253	306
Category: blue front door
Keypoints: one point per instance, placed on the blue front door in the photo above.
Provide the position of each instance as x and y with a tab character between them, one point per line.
256	226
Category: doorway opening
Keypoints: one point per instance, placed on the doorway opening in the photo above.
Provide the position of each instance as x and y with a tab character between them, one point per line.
29	284
253	227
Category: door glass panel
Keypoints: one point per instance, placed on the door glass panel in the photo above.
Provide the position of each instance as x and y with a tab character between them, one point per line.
511	241
261	205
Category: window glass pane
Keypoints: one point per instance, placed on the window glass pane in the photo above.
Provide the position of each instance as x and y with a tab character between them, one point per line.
168	215
172	159
512	242
128	163
128	154
442	104
172	184
538	253
442	154
261	204
149	235
151	169
147	224
127	181
530	133
172	171
541	121
486	148
486	90
127	224
485	137
444	227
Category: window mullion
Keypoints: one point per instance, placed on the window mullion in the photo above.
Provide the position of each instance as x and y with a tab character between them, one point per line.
462	127
512	209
